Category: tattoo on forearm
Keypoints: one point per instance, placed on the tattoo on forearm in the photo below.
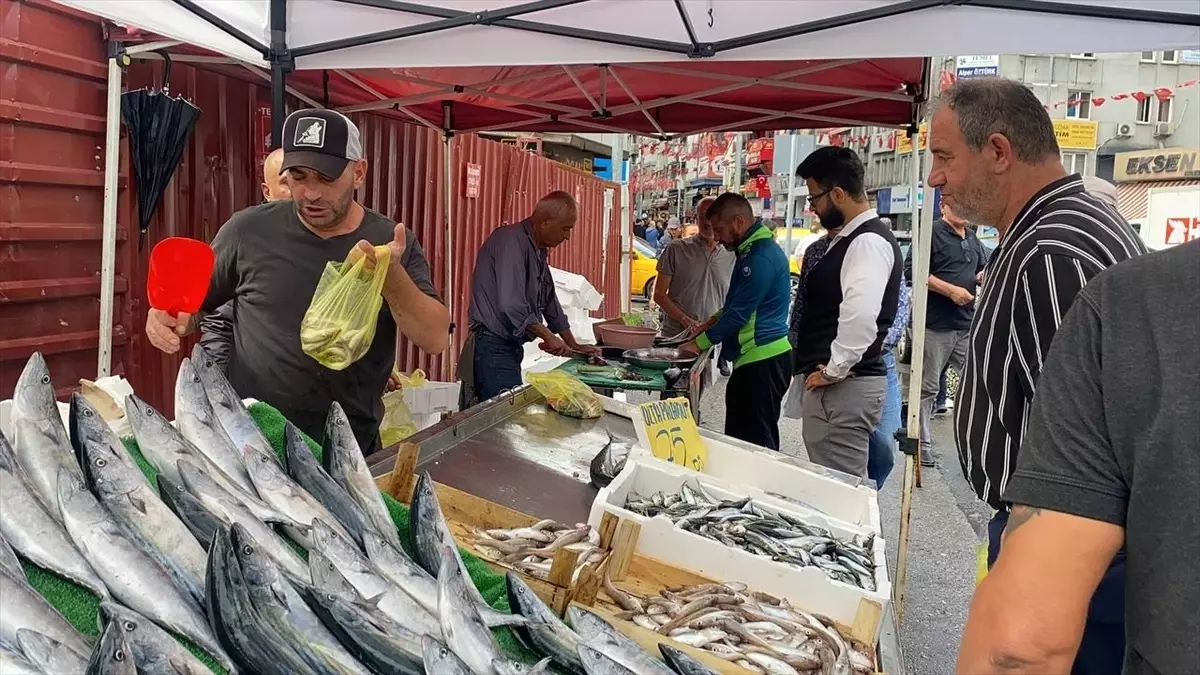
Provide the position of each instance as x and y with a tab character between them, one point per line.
1018	517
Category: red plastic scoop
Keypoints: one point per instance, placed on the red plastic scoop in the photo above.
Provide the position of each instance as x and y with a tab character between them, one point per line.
180	270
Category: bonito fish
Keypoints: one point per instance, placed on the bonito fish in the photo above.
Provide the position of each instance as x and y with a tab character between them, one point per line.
27	524
304	468
38	436
154	649
228	406
123	489
344	461
757	529
132	576
283	494
609	461
49	655
112	655
23	608
198	423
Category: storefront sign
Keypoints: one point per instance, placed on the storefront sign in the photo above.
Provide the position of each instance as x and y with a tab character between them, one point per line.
1075	134
1157	164
474	178
904	143
978	65
669	430
760	151
1182	230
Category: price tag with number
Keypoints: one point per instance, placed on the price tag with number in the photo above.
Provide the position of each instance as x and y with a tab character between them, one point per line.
669	430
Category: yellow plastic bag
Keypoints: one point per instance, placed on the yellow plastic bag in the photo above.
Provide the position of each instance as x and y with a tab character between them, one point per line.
397	423
415	379
339	326
567	395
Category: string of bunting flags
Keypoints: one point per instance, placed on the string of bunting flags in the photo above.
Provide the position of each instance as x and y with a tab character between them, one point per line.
1161	93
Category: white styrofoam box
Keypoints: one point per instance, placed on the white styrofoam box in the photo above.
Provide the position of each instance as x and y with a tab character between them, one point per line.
765	472
432	397
807	587
574	290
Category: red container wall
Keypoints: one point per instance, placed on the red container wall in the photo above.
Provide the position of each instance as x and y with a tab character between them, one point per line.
52	106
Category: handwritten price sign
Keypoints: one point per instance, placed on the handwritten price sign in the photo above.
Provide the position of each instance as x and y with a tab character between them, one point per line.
669	430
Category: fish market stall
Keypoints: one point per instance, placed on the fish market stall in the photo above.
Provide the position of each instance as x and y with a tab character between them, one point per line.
627	370
516	453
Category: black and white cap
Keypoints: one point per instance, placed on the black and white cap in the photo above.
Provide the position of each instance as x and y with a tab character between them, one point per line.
322	140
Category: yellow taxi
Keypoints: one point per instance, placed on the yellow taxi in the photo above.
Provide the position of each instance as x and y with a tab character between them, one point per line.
643	266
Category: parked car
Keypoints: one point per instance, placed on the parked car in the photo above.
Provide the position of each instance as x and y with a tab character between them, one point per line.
643	267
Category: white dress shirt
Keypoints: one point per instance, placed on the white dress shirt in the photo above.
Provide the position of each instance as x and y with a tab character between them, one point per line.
865	273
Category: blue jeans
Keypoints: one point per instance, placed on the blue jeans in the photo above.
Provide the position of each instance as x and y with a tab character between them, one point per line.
881	444
497	364
1102	651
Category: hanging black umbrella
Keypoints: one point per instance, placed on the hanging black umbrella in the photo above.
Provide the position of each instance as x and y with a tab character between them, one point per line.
159	126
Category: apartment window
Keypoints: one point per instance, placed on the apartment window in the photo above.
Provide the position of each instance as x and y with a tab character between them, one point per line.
1143	110
1079	105
1075	162
1164	109
1148	57
1084	55
1170	57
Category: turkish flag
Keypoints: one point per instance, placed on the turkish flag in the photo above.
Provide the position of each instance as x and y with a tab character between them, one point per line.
1120	97
1098	101
1163	93
1140	96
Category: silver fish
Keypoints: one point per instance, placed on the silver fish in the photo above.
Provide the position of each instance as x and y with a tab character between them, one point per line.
15	663
132	576
596	662
111	655
548	635
392	600
439	659
123	489
230	510
304	468
198	520
28	525
683	663
22	607
327	579
278	491
8	559
154	649
382	644
198	423
231	412
344	460
465	633
431	533
398	568
39	438
279	604
598	634
49	655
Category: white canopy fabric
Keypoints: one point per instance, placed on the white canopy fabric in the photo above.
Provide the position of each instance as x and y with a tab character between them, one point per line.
328	34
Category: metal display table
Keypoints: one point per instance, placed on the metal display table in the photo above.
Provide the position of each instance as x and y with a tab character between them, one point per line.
515	451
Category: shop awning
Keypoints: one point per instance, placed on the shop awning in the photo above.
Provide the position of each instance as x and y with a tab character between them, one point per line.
650	67
1133	199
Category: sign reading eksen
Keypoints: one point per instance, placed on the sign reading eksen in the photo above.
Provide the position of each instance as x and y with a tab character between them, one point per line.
669	430
1157	164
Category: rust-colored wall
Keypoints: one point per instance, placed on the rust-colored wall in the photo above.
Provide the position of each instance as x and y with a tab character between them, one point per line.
52	99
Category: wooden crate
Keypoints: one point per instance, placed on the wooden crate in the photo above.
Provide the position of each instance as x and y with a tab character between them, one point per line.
466	513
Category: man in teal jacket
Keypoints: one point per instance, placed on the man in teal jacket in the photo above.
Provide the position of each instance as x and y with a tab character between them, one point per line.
752	327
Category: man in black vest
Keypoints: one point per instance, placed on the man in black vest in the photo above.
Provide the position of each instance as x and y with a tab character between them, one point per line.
849	303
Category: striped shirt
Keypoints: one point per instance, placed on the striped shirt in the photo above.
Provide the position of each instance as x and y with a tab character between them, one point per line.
1059	241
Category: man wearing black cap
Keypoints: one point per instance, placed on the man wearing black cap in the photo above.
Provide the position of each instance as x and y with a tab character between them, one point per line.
269	259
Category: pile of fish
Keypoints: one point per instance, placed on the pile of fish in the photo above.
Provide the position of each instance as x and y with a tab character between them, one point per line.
757	631
745	524
531	549
212	553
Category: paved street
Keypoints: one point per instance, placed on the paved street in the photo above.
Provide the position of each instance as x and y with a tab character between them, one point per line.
947	522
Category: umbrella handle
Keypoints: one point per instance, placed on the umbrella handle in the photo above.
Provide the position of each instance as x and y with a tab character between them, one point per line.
166	85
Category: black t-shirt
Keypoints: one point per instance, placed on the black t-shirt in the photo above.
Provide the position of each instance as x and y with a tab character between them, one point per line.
955	260
1114	436
269	263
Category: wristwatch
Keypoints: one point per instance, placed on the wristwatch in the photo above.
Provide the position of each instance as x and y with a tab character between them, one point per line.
825	374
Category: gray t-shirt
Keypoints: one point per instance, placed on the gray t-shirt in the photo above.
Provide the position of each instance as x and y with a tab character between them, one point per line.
699	279
268	263
1114	436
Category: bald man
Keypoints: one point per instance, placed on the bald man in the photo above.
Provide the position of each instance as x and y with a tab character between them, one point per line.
513	300
216	329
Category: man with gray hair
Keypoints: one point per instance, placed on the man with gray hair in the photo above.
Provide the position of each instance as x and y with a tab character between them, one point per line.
693	277
995	157
513	300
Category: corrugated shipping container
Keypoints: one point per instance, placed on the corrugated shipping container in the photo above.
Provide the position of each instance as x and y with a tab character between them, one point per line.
52	94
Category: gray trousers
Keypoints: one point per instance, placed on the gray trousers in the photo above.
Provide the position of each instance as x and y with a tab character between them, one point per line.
838	420
942	348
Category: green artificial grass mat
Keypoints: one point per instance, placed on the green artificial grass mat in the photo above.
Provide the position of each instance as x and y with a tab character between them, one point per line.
82	607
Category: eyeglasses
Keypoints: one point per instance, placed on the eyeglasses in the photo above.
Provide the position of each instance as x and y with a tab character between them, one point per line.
812	199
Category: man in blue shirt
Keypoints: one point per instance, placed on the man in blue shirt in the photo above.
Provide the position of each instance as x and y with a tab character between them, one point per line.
752	327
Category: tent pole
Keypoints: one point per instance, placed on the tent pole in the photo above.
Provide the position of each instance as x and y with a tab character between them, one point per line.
448	294
789	209
108	242
280	62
